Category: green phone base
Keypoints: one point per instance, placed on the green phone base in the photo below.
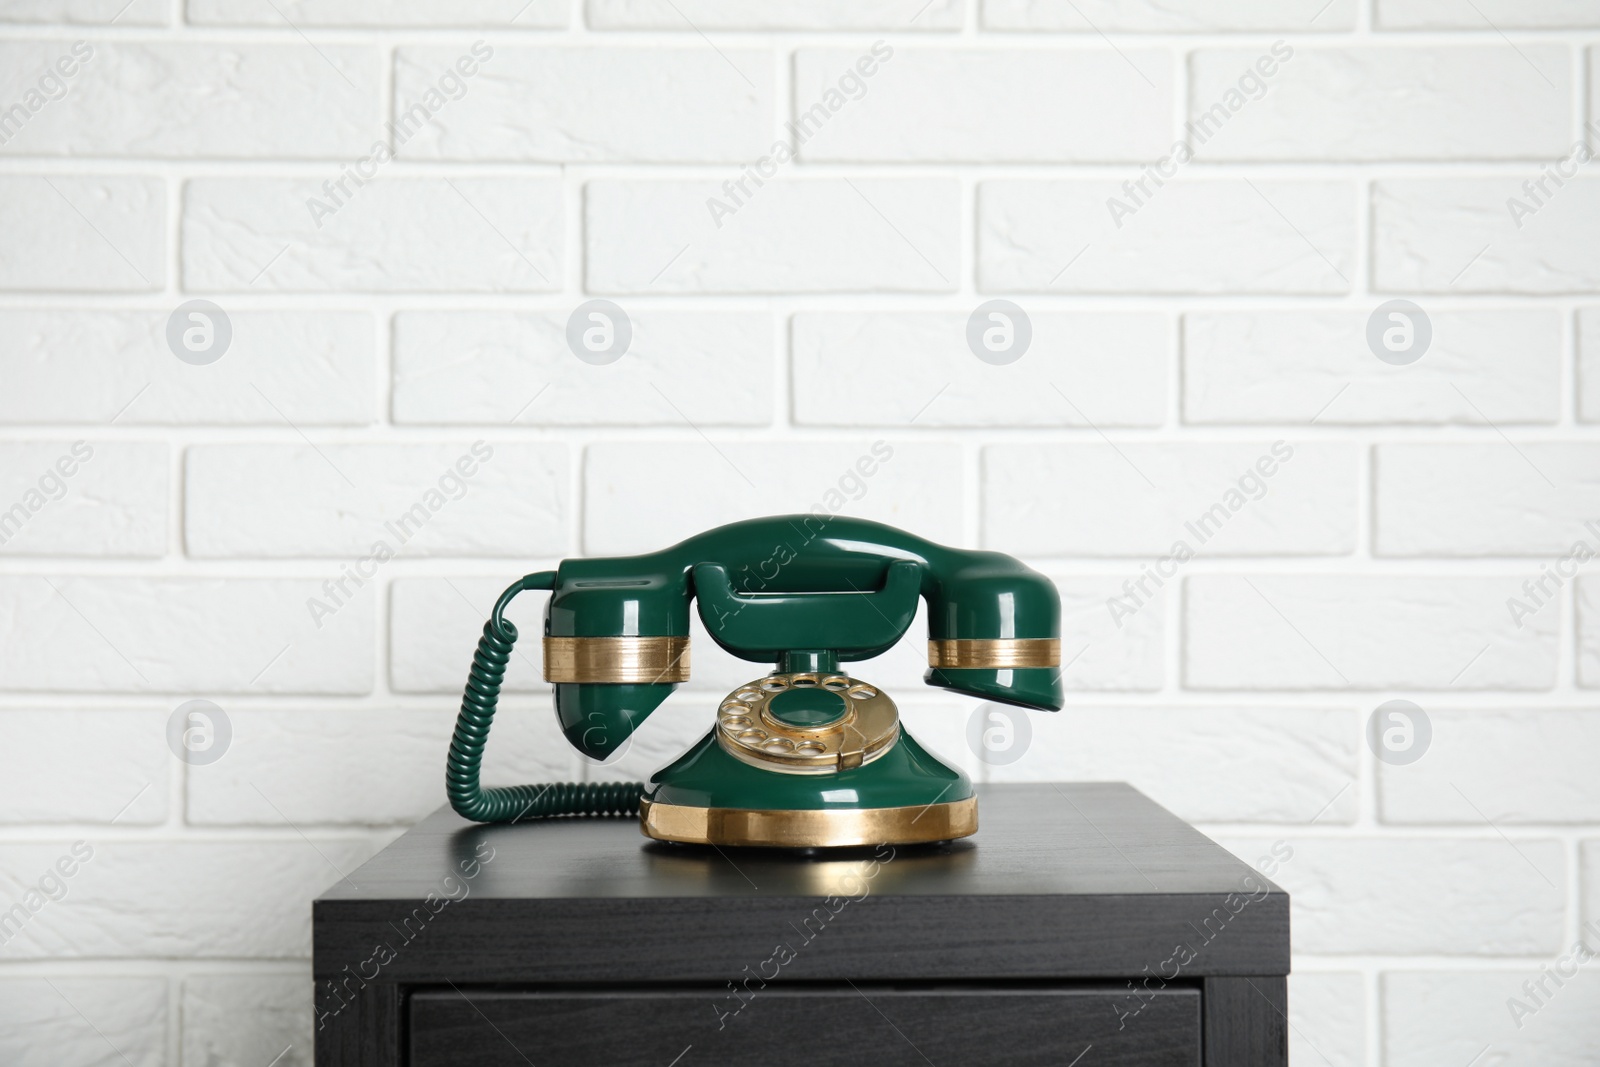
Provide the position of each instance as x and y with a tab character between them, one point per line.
807	760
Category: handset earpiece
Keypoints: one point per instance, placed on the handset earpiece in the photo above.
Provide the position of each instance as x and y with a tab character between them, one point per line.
994	631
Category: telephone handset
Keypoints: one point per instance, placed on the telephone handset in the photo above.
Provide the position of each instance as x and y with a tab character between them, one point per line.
807	755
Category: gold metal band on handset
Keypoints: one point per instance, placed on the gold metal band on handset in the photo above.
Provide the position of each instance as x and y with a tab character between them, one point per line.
635	660
995	653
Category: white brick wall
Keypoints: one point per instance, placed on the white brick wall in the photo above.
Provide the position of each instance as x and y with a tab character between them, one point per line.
1270	366
1201	236
1112	364
633	107
804	235
91	367
1466	102
252	101
495	367
1016	105
469	235
1456	235
1152	16
101	233
1417	1032
464	498
96	1021
1140	499
799	207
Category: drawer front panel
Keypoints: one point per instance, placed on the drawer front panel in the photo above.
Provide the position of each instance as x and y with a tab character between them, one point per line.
821	1026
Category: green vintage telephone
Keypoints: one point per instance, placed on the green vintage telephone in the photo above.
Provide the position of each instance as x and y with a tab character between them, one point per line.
806	756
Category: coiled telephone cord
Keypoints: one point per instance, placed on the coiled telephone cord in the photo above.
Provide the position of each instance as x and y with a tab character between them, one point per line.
514	803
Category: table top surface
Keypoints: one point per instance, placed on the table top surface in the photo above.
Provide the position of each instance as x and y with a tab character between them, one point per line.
1060	881
1098	838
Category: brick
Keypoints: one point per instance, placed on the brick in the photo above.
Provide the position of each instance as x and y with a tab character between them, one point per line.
1192	236
89	12
1361	632
1304	365
1456	102
1457	235
186	101
810	235
1106	653
182	636
1476	768
1112	366
1150	16
988	105
370	501
394	235
108	770
1415	896
647	105
690	15
1494	498
886	481
1144	499
1327	1018
82	234
296	765
47	1020
1589	365
1589	907
88	366
1300	763
1489	16
1587	595
248	1018
137	899
491	14
1433	1017
705	367
83	498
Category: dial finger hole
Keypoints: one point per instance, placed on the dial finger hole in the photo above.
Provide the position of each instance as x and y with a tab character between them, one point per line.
836	684
752	735
774	685
746	696
778	744
736	722
805	681
811	748
863	692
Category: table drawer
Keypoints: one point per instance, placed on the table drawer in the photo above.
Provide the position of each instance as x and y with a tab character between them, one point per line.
816	1026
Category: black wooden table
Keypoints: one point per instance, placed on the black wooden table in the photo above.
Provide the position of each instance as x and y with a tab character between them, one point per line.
1082	920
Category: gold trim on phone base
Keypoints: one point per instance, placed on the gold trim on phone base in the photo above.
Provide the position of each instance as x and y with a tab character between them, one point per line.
820	828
